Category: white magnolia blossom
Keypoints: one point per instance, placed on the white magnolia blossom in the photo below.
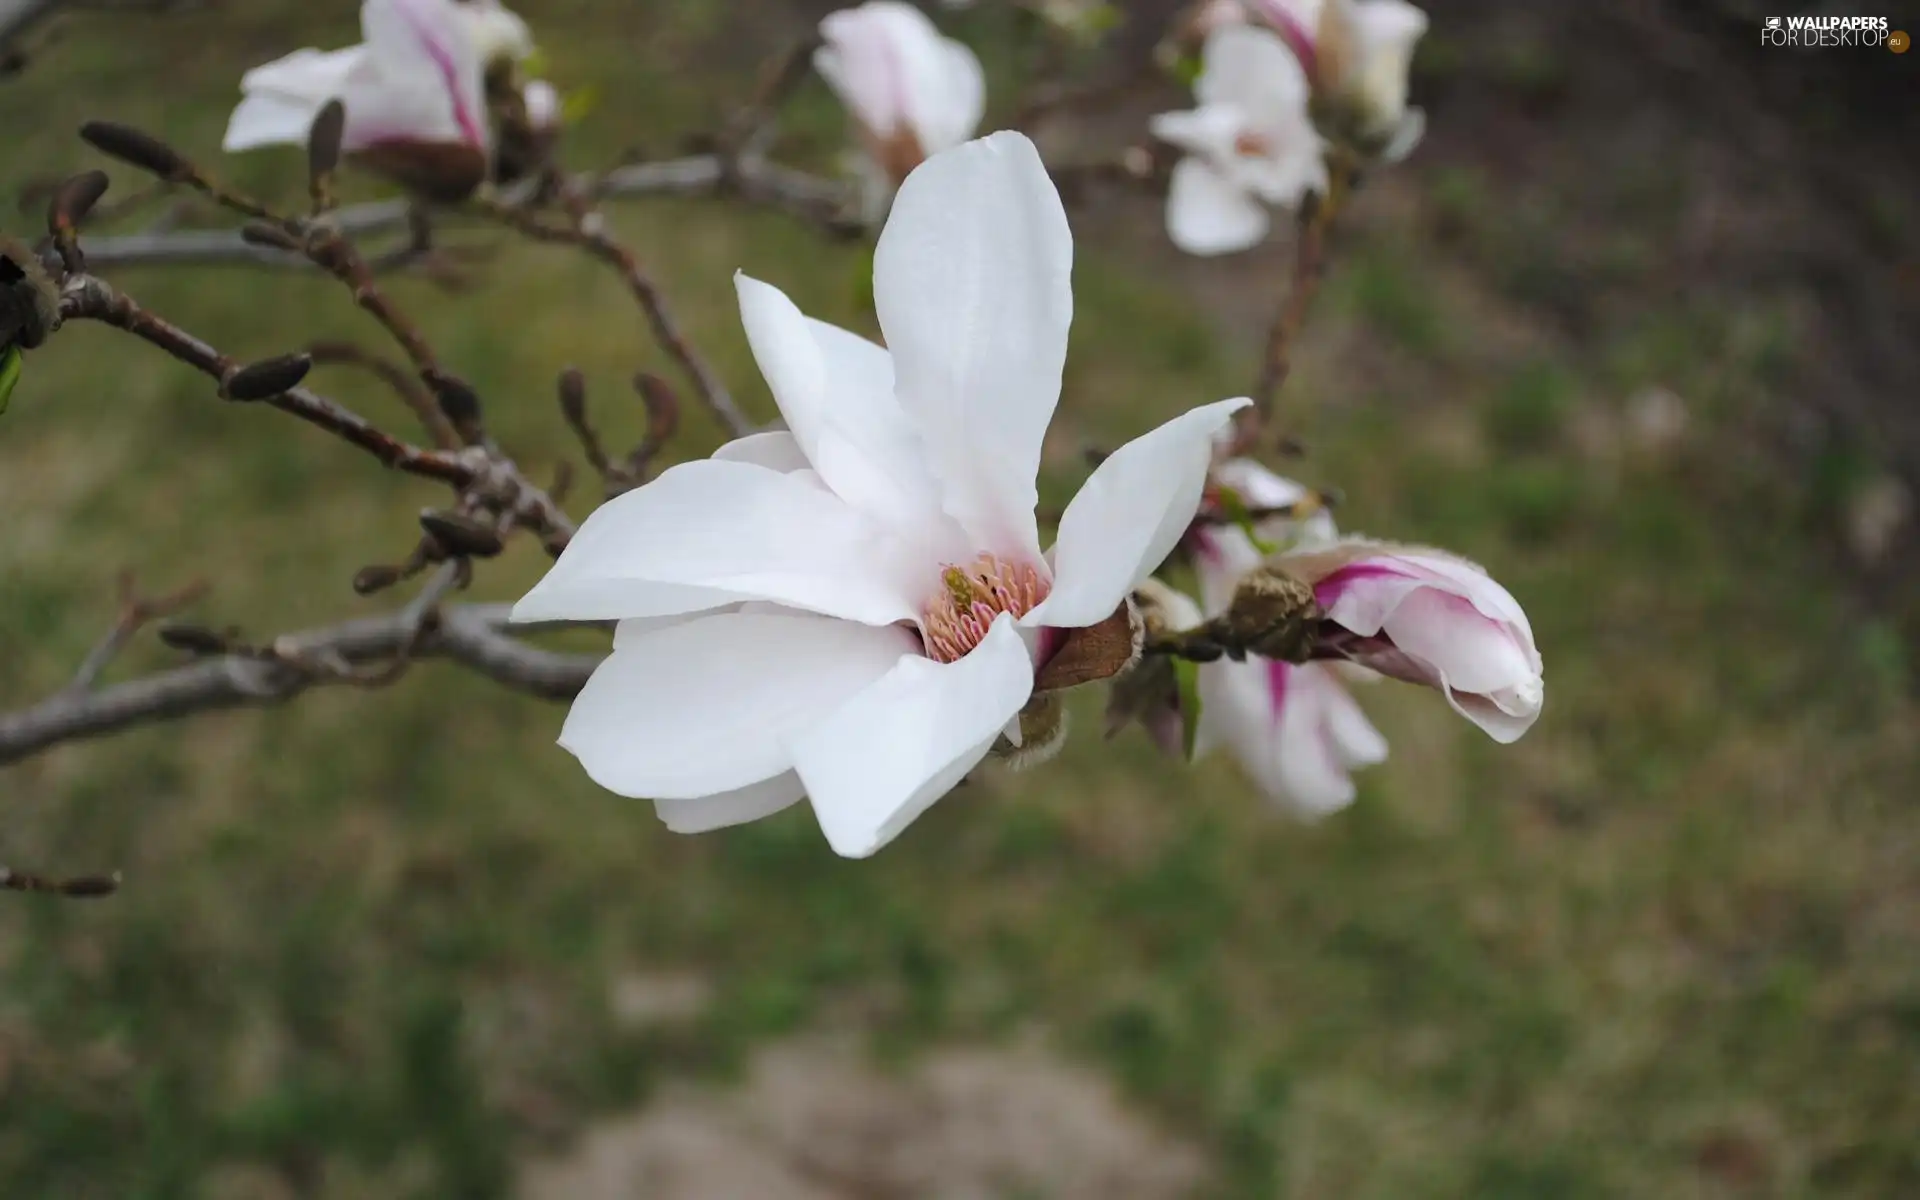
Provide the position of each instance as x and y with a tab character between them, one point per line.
1294	729
911	91
853	609
1357	54
416	81
1249	143
1429	617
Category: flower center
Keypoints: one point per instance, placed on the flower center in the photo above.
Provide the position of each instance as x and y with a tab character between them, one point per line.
1252	145
970	597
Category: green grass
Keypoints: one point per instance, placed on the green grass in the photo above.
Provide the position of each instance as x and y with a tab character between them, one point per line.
368	941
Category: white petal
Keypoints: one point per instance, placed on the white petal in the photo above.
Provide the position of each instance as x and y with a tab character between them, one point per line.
709	705
862	60
885	756
423	77
1128	517
713	532
1406	137
776	450
705	813
1208	214
1209	131
972	279
947	109
1251	69
835	390
283	97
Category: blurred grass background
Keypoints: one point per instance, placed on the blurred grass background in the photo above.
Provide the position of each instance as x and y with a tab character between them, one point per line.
374	944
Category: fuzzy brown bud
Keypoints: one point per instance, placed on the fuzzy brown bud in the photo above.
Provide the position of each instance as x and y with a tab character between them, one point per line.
137	149
460	534
1273	614
268	378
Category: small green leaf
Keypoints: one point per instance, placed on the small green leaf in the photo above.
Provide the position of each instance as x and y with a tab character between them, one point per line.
1236	510
575	106
1187	675
535	64
9	374
1185	69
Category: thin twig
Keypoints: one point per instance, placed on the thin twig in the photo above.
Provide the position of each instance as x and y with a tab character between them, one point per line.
411	391
91	298
135	613
1303	284
74	887
588	230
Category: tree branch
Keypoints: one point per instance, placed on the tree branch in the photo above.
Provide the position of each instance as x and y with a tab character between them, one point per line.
469	635
755	179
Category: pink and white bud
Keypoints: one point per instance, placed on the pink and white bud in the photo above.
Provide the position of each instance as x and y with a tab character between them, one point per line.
1428	617
1357	54
912	92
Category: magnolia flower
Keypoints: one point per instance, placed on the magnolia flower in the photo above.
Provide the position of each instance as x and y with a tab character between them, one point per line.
1294	728
1357	54
853	609
912	92
1249	143
414	91
1428	617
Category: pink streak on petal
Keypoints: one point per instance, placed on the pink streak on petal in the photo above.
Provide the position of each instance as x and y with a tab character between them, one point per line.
449	75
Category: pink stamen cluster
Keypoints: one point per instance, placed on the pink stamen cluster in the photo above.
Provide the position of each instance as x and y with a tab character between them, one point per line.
958	617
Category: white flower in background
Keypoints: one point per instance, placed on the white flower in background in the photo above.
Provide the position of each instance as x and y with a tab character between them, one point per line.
1294	728
911	91
853	609
414	91
1428	617
1357	54
1249	143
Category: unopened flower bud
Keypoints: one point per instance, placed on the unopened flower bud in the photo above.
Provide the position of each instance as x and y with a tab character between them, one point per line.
193	639
1273	615
268	378
29	298
376	578
323	139
460	534
137	149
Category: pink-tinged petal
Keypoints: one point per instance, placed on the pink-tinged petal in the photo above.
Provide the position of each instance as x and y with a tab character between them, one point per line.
947	112
861	59
972	280
423	77
1474	652
776	450
709	706
738	807
711	532
881	759
1432	619
1128	517
1298	24
1285	725
1209	214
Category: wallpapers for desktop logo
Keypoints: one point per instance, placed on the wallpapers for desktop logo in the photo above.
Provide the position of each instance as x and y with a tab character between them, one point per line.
1806	32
